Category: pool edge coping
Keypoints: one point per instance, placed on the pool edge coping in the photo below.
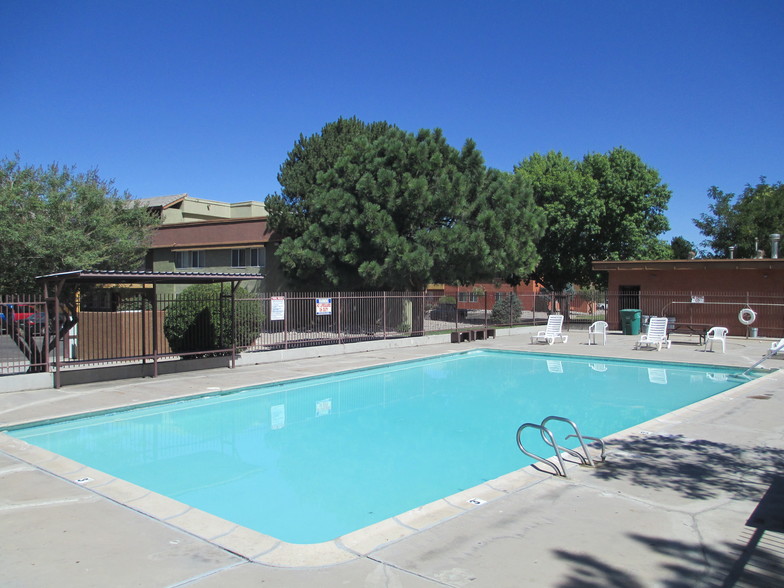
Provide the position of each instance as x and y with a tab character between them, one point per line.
264	549
215	391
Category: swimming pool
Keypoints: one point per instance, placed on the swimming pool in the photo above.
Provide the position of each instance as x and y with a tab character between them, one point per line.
310	460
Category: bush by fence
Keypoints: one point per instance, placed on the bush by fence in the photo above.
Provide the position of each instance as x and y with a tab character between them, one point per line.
201	319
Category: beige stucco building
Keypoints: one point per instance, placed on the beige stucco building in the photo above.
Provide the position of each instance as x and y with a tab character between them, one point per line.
211	236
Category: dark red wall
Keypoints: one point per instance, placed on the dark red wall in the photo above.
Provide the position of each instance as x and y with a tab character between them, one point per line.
674	289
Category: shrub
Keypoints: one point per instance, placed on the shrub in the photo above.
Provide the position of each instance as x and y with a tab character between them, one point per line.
199	320
507	310
404	328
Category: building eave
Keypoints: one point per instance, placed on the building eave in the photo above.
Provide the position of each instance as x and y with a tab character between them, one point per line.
145	277
690	264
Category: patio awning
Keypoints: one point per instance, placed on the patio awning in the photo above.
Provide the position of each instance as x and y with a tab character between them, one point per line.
59	280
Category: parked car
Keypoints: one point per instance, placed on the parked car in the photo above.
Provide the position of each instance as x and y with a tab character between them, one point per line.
28	317
35	323
19	311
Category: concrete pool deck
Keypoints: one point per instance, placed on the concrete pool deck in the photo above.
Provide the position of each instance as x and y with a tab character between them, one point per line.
694	498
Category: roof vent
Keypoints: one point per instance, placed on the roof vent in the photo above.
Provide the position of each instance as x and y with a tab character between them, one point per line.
774	245
732	251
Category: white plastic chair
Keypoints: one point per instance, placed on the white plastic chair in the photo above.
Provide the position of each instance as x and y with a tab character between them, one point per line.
552	331
777	347
656	335
716	334
598	329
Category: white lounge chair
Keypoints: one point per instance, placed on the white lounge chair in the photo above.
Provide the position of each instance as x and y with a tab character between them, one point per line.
716	334
656	335
596	330
657	375
554	366
717	377
551	332
777	347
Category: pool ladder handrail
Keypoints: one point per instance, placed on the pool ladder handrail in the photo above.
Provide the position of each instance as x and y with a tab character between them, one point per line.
771	352
549	438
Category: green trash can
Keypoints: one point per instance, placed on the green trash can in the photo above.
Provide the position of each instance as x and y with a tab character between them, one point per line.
630	321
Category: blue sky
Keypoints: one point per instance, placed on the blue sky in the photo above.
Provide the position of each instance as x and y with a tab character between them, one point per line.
208	97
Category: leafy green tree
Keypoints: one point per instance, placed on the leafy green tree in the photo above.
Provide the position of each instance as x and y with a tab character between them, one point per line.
607	206
634	199
54	219
681	248
200	319
374	207
744	221
574	213
718	226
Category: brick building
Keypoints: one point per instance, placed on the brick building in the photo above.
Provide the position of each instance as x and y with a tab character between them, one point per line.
700	291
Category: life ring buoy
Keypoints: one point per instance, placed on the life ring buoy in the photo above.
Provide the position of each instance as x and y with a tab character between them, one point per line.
747	316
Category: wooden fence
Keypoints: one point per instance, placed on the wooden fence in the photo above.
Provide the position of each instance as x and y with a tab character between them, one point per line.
116	335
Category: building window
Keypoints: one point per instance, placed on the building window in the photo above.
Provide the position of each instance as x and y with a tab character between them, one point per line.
189	259
238	258
253	257
257	257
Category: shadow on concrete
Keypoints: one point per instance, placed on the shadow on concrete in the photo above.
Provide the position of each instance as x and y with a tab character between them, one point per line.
695	468
590	572
762	558
754	567
698	470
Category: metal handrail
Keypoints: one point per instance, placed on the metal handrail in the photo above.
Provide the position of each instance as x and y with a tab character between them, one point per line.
549	438
773	351
598	440
577	434
543	431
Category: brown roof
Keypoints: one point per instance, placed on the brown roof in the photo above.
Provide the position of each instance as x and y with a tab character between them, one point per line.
213	234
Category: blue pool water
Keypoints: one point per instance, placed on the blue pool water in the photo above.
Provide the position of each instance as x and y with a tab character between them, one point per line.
310	460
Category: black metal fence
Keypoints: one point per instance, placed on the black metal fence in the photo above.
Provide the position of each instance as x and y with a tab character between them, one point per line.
123	328
23	329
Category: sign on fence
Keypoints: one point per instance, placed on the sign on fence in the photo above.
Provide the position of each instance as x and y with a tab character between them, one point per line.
323	306
277	308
